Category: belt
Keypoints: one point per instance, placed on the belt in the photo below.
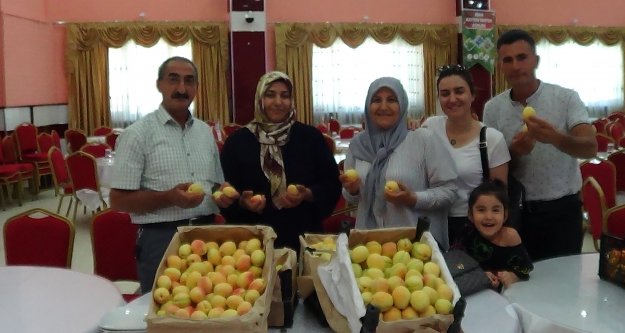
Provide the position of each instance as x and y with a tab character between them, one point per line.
536	206
199	220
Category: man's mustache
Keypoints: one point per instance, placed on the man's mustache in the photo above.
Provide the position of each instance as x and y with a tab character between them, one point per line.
177	95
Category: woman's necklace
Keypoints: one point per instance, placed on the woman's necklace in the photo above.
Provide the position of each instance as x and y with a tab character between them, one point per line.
452	141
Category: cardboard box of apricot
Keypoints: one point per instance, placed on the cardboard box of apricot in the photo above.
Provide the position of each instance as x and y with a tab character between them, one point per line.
406	278
214	278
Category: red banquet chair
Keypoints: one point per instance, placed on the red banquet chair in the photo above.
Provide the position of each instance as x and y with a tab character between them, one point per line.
40	238
83	171
96	150
333	224
600	124
113	240
323	128
75	139
604	173
594	204
615	130
45	142
347	132
56	139
614	221
335	126
330	143
602	141
26	170
618	159
231	128
102	131
111	139
60	176
28	151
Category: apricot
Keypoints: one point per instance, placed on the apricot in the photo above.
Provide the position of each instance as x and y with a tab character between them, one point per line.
401	297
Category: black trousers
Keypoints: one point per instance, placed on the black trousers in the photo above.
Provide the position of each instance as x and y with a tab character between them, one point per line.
553	228
152	241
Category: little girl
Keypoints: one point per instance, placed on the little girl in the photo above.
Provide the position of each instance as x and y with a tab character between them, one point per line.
497	248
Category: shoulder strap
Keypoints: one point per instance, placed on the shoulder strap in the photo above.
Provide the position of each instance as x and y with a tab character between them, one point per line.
484	154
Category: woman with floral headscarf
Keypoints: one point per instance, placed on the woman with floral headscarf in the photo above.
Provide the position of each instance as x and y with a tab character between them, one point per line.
271	153
387	151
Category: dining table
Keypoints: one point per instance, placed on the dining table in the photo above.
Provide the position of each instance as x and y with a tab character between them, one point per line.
565	294
486	312
38	299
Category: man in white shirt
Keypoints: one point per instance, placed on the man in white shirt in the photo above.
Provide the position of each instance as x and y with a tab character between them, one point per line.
544	158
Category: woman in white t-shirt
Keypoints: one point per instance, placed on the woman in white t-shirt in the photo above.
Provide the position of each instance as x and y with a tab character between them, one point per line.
460	132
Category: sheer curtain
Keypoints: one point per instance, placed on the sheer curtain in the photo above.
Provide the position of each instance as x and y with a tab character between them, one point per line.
341	76
595	71
133	70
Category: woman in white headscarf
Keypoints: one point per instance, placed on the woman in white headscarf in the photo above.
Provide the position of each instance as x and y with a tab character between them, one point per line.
272	152
415	160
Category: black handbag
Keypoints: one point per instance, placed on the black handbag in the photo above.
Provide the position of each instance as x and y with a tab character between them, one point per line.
516	190
466	272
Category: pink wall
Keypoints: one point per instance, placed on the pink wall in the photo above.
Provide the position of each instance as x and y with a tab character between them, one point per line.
32	47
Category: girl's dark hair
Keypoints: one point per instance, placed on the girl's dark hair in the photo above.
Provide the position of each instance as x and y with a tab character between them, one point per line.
449	70
490	187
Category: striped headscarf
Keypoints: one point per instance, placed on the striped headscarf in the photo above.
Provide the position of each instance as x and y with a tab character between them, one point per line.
272	136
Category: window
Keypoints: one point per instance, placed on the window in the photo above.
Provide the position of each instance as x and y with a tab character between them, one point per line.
133	70
595	71
341	77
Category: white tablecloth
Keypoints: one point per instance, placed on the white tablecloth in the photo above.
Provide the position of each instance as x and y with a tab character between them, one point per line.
53	300
566	294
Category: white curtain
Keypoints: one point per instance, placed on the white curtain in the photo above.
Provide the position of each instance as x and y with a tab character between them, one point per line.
133	70
341	77
594	71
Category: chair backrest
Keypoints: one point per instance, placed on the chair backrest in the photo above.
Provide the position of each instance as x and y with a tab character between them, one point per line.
102	131
83	171
45	142
599	125
618	159
335	126
330	143
111	139
614	221
604	173
60	174
75	139
594	204
231	128
113	239
323	128
96	150
56	139
9	153
347	132
26	138
615	130
602	141
39	237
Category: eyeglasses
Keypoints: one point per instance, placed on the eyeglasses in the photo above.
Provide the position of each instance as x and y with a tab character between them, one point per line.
455	68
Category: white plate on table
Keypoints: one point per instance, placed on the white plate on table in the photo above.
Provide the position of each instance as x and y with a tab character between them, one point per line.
127	318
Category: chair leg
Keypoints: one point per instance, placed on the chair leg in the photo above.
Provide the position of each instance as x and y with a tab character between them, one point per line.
58	209
71	200
2	197
75	209
19	188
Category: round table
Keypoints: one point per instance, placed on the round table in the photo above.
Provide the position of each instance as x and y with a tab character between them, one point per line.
486	312
46	299
568	292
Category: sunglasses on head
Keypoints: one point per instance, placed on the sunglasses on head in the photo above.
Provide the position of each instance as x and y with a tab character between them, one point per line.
456	68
